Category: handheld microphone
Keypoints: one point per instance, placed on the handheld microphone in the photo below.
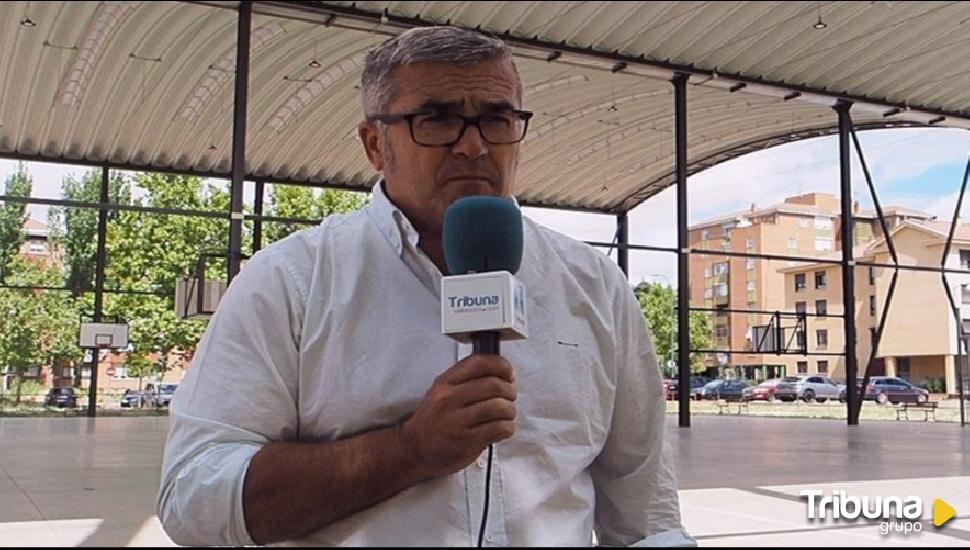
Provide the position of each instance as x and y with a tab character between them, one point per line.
481	300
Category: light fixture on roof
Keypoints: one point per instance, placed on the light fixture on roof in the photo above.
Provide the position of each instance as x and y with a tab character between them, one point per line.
313	64
27	21
819	25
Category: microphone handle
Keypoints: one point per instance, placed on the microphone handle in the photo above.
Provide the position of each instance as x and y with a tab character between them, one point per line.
485	342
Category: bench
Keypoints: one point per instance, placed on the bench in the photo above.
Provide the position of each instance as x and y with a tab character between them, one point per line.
928	409
725	406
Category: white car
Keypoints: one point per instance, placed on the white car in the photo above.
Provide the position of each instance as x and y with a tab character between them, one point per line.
809	388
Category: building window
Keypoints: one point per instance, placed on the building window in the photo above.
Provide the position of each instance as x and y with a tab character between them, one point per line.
799	307
965	259
799	282
821	307
820	279
67	372
707	272
721	290
803	367
822	338
726	246
872	306
823	367
749	264
872	275
708	293
792	243
823	245
751	286
37	248
705	234
721	331
821	222
803	223
720	269
800	339
749	244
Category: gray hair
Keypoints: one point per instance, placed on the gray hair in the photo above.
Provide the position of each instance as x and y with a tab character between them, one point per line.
445	45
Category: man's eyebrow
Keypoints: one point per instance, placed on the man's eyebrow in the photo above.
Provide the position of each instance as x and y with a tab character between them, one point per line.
452	106
497	106
438	105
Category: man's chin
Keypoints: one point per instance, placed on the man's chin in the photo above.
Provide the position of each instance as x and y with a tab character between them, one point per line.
460	189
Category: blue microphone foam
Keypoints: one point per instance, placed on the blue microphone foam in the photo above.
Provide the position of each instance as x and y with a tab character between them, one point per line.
482	234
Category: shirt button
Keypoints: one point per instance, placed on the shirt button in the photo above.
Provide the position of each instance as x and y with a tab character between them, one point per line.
481	462
489	537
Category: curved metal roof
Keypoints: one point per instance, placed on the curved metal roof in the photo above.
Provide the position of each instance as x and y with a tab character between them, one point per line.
150	84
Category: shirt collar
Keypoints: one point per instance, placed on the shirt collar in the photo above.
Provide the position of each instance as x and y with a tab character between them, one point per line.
392	222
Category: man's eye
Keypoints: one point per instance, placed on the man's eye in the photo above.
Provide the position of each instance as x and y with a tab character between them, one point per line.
499	119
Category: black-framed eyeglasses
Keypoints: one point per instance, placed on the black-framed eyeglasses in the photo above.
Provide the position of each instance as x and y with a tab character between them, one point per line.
432	129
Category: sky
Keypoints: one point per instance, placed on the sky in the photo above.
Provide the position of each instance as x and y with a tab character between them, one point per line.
914	167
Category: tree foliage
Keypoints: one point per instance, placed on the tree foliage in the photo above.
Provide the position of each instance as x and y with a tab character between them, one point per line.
659	305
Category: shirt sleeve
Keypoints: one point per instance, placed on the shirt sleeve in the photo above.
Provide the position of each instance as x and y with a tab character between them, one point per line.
634	477
239	394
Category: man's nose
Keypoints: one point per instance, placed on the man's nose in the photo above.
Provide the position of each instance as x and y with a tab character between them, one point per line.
471	143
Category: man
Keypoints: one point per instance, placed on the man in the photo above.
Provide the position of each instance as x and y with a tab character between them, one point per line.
324	406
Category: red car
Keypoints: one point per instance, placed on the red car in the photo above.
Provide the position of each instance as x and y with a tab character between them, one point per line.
764	391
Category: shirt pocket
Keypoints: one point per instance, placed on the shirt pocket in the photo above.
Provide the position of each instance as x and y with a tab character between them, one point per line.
562	399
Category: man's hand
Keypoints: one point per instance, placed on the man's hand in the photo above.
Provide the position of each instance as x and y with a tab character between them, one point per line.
469	407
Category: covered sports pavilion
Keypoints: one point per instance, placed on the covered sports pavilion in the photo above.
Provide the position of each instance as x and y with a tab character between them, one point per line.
262	93
267	92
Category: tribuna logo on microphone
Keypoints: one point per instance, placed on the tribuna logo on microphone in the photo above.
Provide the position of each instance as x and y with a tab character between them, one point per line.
473	302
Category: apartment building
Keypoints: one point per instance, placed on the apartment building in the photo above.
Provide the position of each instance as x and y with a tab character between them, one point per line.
919	341
804	225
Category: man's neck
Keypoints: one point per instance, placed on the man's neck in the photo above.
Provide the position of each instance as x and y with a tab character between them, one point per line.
431	245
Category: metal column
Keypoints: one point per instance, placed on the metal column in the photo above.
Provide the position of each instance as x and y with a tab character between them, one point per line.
848	263
258	222
622	240
99	264
683	276
239	137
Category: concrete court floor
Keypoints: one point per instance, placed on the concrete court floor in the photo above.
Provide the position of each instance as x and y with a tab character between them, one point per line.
84	482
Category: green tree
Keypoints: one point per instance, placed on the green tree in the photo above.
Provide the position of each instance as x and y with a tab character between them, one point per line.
293	201
148	252
13	217
37	327
75	230
659	306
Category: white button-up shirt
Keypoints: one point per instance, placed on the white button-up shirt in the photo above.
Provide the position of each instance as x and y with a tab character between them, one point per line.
336	330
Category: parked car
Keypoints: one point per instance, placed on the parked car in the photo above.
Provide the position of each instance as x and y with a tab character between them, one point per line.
696	382
137	398
809	388
709	390
732	390
165	394
61	397
887	389
764	391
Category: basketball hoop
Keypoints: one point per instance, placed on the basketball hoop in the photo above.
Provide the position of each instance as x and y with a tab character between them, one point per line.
103	336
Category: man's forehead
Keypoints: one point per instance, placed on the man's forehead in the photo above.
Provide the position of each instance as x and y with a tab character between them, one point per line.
485	85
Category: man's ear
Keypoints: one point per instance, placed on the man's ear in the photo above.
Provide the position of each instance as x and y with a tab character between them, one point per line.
370	138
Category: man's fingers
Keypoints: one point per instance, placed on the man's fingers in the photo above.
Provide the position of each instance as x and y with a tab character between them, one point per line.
493	432
477	366
482	389
487	411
